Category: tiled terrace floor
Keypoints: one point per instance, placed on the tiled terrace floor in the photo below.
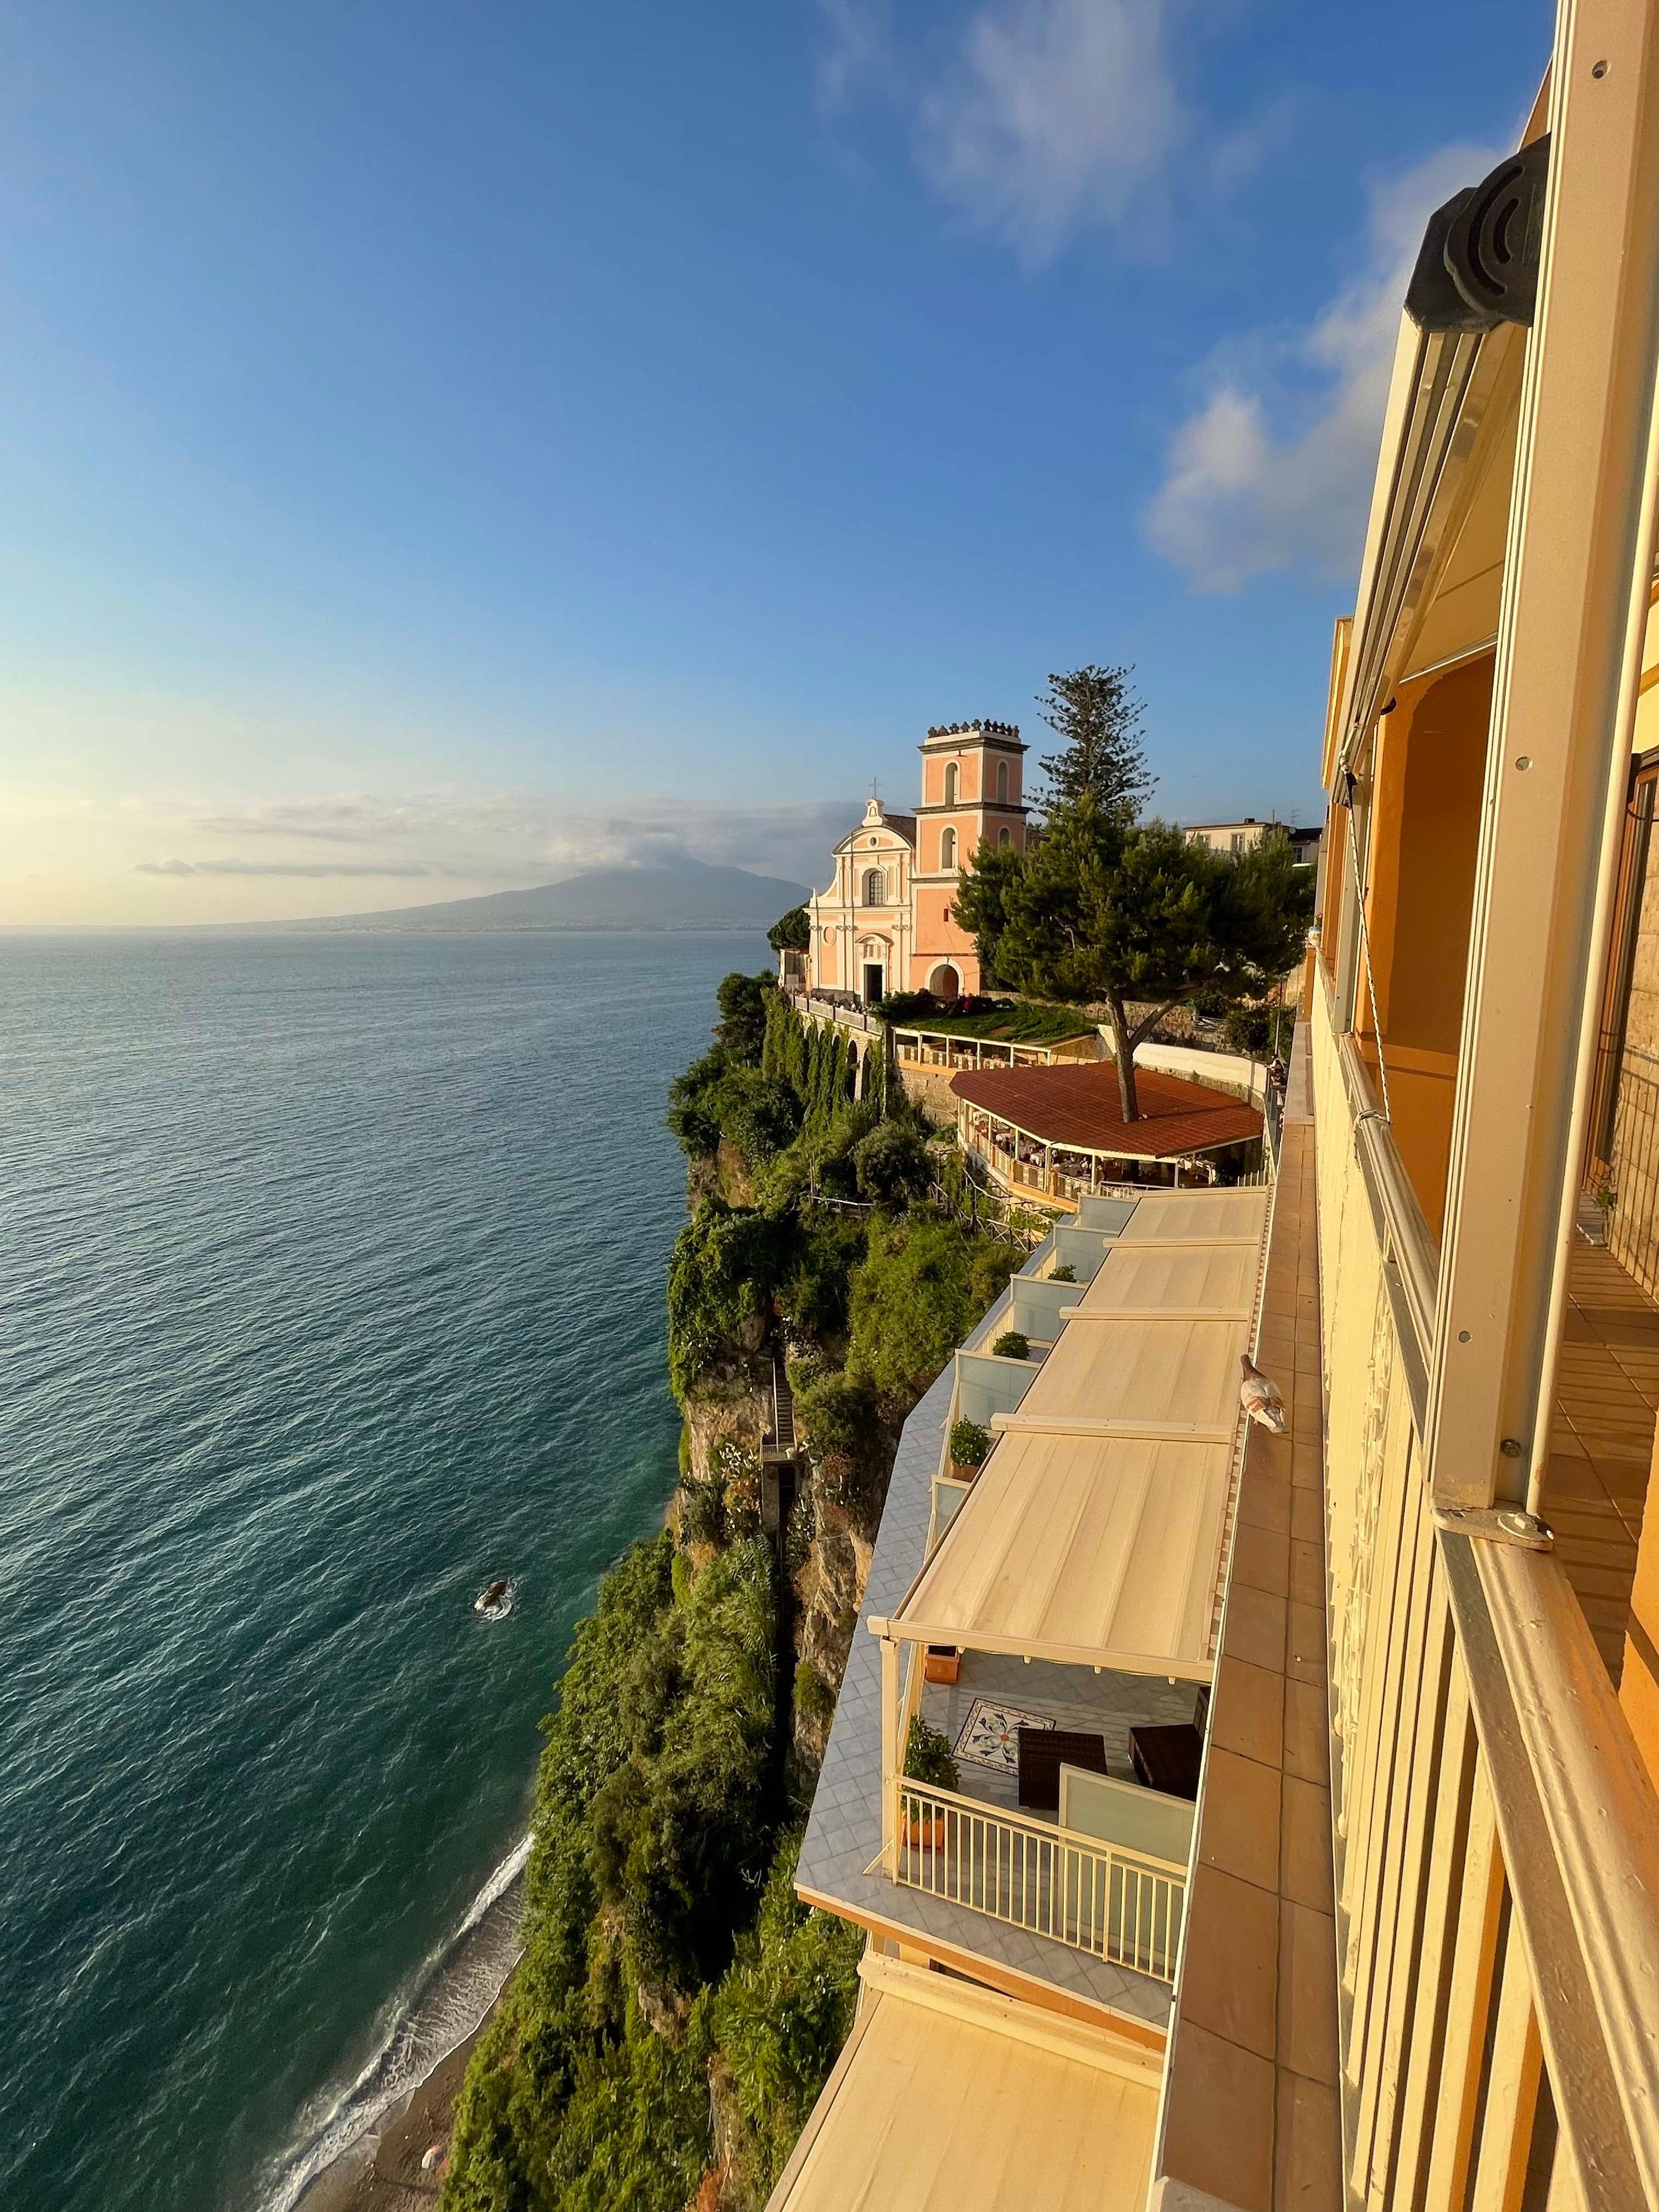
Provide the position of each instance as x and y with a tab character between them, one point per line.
1252	2115
1602	1443
1105	1705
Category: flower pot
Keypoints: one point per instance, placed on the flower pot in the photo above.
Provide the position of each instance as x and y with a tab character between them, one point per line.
941	1663
927	1829
960	1472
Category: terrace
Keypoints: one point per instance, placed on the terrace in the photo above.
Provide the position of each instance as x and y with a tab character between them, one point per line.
1058	1133
1070	1589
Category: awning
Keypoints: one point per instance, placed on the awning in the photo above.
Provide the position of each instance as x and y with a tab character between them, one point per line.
1092	1536
949	2097
1096	1551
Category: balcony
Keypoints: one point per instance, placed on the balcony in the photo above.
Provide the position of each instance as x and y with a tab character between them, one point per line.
1106	1889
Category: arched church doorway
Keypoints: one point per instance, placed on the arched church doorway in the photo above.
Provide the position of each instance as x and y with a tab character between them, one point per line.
944	983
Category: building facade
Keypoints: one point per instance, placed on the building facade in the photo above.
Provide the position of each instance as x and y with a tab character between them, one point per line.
1303	1850
1244	836
884	923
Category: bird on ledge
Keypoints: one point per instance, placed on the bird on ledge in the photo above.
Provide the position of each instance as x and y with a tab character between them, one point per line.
1259	1397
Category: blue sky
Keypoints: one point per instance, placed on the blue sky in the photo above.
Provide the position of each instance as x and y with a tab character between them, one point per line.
442	447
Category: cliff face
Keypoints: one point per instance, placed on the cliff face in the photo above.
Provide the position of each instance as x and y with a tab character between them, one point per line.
677	2009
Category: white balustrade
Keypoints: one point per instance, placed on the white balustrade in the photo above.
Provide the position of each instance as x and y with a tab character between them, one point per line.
1077	1889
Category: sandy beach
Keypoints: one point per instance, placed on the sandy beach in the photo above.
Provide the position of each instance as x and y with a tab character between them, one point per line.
382	2174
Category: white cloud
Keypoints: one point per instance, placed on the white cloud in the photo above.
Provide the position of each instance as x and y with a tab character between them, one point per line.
1054	115
860	56
516	836
1273	470
1036	119
310	869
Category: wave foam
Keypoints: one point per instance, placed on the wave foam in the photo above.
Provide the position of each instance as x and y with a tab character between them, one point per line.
450	1994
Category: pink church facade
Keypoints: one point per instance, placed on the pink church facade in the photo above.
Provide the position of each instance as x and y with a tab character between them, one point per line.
886	922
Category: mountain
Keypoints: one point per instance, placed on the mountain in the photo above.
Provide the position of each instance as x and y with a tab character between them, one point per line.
680	895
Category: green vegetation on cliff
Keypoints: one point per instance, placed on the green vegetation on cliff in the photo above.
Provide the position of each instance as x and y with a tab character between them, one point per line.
676	2008
649	1971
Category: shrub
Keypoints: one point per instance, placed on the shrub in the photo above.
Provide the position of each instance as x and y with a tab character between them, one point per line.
891	1166
693	1114
971	1444
702	1513
823	1249
928	1756
782	2014
719	1283
839	1415
814	1699
759	1112
1012	1344
741	1026
1066	1272
1258	1032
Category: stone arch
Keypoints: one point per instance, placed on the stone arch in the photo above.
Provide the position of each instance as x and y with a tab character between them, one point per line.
952	782
1002	783
947	847
1004	838
944	983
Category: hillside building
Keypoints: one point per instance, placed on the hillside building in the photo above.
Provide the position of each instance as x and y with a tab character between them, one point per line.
885	923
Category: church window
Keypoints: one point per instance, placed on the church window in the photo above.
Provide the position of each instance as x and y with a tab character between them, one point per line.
1005	836
1002	783
947	849
949	783
875	887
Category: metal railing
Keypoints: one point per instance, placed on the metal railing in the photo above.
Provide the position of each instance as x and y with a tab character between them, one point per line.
1076	1889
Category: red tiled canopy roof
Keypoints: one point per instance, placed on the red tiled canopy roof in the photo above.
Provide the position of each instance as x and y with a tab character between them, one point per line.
1078	1105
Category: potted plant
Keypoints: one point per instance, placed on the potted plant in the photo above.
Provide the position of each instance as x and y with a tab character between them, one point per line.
1066	1272
927	1759
1012	1343
970	1447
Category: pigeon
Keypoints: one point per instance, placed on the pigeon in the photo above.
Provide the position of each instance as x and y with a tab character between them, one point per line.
1260	1397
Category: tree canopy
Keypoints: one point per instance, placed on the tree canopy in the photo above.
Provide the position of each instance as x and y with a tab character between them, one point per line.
1099	911
1095	713
791	932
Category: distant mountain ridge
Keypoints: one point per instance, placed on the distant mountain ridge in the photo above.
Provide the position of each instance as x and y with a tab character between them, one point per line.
678	894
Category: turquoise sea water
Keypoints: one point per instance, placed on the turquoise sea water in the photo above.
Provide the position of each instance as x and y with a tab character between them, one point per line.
331	1288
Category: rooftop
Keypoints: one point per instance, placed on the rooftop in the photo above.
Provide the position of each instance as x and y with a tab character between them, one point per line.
1078	1106
948	2094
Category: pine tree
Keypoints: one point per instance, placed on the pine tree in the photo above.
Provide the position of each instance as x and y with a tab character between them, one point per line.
1095	713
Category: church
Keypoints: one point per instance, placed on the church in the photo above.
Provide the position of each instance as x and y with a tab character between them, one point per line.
885	923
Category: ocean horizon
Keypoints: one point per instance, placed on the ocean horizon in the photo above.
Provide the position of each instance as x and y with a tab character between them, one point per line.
333	1274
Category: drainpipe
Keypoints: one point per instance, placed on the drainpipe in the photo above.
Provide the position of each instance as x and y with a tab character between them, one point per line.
1589	1025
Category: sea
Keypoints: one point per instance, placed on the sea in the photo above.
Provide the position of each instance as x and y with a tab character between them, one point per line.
332	1288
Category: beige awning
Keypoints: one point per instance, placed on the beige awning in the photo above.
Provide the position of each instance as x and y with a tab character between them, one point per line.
1093	1534
949	2097
1099	1551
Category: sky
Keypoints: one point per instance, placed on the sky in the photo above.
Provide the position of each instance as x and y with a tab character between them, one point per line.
445	447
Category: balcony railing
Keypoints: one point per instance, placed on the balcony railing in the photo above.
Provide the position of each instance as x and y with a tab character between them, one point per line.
1114	1905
